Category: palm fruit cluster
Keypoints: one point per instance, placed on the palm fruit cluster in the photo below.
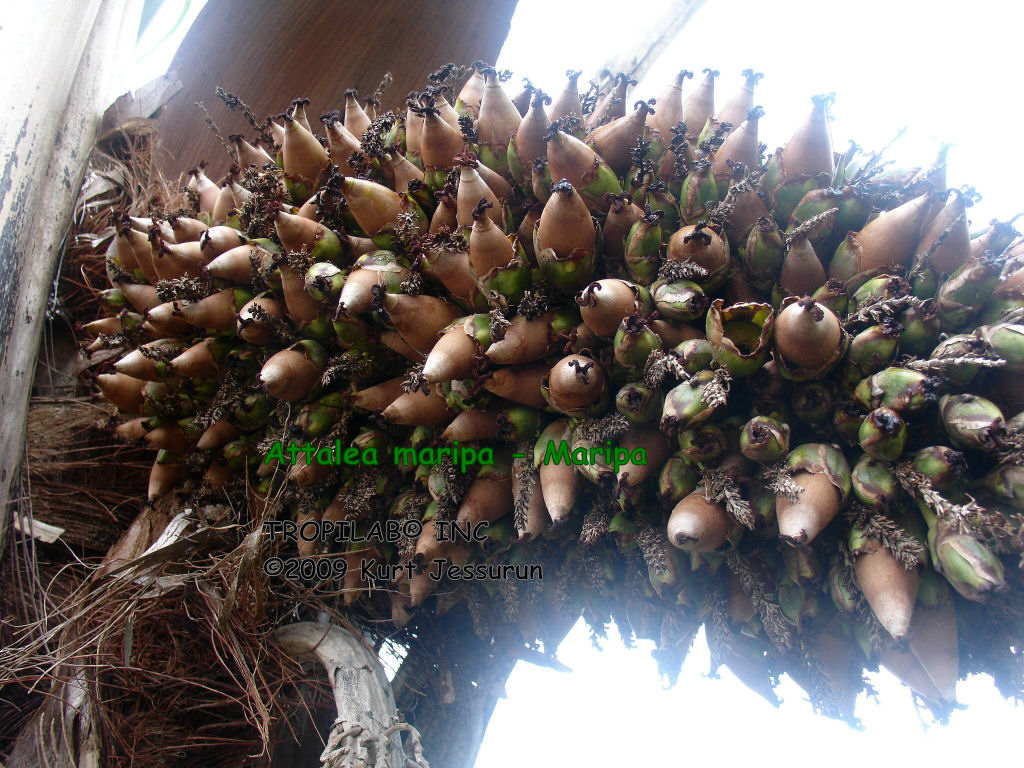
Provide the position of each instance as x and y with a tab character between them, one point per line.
788	382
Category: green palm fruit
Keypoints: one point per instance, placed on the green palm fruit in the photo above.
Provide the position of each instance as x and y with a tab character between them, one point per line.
961	345
925	283
678	478
372	439
317	418
762	504
883	434
695	355
764	253
854	208
1008	295
801	605
845	595
968	565
634	342
657	198
972	421
541	181
900	389
824	458
324	281
875	347
921	327
643	248
940	466
966	290
1007	482
684	404
350	331
821	458
517	423
513	280
239	454
714	131
421	196
812	402
639	403
319	329
703	443
670	579
764	439
878	289
253	411
679	300
1006	340
113	300
846	419
874	483
699	189
834	296
789	195
461	394
849	164
368	363
815	203
739	335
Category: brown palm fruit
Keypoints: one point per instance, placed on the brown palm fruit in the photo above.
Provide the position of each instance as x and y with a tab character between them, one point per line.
567	103
440	142
614	141
574	385
699	525
886	242
416	408
809	339
740	146
889	587
472	191
606	303
489	497
419	319
303	157
823	475
699	105
702	245
355	117
670	108
572	160
292	374
738	107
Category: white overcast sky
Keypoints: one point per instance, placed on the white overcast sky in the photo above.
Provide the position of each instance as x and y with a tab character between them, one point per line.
950	72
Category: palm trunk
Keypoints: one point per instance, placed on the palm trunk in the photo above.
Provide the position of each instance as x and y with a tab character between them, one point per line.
64	56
